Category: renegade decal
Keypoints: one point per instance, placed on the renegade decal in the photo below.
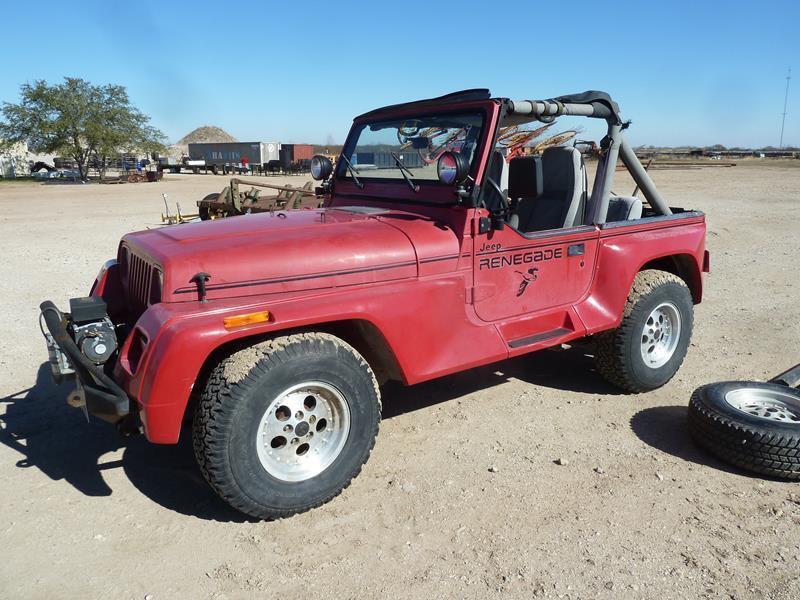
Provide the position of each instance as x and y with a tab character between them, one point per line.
521	258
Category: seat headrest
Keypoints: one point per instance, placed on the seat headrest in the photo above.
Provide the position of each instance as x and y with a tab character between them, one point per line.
562	164
525	177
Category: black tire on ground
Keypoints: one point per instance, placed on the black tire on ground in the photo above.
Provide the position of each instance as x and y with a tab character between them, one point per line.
619	356
736	436
240	390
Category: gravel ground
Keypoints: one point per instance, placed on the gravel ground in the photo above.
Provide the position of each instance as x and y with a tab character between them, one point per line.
530	478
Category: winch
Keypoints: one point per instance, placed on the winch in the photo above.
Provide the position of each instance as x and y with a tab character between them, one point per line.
92	329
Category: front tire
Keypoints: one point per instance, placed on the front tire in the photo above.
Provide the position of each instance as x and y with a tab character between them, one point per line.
649	345
285	425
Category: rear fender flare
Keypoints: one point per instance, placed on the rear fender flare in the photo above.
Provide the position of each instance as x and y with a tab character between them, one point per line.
614	275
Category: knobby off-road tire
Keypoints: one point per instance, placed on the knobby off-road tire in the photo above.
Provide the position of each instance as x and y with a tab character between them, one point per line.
283	426
649	345
755	426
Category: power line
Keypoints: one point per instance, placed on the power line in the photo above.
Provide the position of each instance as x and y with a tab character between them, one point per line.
785	102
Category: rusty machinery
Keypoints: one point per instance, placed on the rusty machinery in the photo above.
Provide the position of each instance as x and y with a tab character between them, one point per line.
232	201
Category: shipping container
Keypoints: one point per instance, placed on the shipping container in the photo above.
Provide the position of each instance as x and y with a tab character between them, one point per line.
295	154
232	153
303	152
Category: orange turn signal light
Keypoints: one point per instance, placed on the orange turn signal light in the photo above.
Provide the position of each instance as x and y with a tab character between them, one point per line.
248	319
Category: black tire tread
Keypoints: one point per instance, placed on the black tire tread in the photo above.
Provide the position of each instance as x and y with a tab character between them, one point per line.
609	345
755	449
214	416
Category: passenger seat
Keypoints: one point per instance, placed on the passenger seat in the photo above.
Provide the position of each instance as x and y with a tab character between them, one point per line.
551	194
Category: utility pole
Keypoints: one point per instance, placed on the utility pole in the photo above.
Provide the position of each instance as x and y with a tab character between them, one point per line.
785	102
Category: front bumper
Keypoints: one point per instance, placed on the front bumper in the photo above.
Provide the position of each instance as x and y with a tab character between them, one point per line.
96	392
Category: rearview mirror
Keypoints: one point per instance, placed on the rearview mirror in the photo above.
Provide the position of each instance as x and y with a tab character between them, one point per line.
321	167
419	143
452	168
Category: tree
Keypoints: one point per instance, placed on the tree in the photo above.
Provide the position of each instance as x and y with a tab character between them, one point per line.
79	120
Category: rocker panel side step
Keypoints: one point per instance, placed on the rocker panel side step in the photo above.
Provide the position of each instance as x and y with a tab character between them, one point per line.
539	337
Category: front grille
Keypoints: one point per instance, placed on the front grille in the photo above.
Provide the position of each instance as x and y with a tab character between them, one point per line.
141	281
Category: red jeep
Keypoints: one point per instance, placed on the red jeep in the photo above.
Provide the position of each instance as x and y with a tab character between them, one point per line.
433	253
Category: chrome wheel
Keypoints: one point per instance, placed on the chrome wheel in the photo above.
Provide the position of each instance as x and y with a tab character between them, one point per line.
660	335
764	403
303	431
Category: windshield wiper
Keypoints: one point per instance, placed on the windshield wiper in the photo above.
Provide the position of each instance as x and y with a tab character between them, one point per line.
403	170
352	170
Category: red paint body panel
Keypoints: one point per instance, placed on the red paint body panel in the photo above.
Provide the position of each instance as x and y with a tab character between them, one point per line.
426	325
623	251
443	297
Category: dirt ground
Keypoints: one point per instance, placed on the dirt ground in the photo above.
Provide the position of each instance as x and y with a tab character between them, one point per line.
636	511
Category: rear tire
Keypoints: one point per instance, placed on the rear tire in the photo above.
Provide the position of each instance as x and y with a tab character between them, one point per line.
285	425
649	345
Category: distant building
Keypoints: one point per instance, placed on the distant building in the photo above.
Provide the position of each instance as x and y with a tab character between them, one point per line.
14	161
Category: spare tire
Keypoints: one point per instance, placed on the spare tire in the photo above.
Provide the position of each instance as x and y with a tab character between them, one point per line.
753	425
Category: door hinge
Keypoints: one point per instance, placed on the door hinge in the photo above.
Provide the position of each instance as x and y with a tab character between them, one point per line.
481	225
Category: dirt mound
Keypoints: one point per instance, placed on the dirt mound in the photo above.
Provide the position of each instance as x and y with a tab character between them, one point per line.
206	133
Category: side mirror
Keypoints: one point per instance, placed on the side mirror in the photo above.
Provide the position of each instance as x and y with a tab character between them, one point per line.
321	167
452	168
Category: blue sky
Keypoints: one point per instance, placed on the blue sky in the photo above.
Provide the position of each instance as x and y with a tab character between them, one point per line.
698	72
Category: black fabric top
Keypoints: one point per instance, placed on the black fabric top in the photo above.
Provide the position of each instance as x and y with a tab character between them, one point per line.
462	96
592	97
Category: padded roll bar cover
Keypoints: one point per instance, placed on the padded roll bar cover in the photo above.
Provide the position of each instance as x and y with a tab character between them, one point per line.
525	177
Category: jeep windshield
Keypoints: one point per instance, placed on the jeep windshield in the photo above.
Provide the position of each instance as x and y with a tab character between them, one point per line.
375	149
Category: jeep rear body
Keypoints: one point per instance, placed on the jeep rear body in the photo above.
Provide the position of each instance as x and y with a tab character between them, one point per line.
423	283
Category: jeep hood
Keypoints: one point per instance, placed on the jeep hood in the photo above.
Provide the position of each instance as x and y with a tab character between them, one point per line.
287	251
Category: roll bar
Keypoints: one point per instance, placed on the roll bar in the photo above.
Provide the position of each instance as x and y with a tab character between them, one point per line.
597	105
552	108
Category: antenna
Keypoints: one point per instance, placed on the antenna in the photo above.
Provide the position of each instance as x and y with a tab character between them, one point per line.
785	102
